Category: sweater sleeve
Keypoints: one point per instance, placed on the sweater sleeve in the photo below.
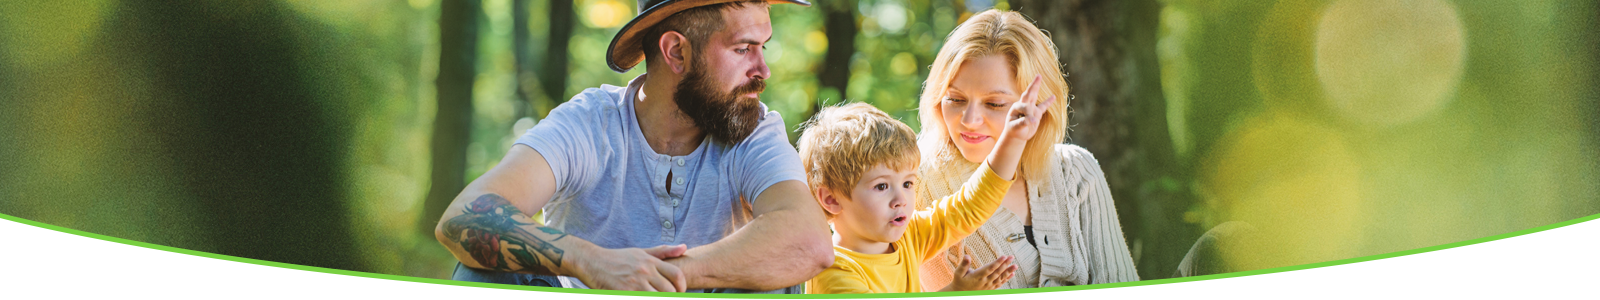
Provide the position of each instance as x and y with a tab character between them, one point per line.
954	217
1108	257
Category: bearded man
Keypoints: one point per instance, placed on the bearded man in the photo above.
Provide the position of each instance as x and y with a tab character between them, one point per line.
681	181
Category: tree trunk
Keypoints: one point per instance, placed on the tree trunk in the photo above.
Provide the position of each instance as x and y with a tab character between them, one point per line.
1107	48
452	128
525	78
554	77
840	27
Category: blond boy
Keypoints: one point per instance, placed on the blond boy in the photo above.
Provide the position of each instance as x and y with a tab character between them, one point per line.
861	167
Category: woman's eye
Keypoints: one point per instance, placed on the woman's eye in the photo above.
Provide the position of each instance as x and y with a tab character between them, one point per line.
995	104
954	100
881	186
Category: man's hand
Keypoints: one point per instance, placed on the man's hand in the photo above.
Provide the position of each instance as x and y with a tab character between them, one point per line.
988	277
786	244
633	269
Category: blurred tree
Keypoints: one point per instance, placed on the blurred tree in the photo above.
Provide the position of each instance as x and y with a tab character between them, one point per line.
840	26
554	74
202	125
520	53
1108	50
452	129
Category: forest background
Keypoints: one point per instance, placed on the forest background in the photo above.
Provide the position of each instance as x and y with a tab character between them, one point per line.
332	133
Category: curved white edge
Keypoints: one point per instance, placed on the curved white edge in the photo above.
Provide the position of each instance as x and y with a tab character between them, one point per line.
37	263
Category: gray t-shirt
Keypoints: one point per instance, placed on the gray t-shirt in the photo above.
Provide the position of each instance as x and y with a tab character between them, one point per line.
612	188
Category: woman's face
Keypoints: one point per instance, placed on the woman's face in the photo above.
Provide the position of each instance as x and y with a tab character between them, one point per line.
975	105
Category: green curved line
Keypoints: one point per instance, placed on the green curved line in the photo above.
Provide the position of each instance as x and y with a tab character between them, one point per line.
773	296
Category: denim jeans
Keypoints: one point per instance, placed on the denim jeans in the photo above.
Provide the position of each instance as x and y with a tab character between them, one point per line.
463	273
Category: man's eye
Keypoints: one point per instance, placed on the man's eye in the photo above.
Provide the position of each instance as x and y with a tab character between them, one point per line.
741	51
881	186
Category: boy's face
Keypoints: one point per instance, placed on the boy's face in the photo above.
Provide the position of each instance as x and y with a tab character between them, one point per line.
880	205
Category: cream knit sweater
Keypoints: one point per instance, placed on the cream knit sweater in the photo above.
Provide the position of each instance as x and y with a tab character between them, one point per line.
1074	224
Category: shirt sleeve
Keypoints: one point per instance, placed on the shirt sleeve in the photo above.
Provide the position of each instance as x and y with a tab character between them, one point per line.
571	142
764	158
956	216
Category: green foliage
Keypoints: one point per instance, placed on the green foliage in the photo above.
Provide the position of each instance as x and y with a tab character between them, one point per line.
1342	128
299	131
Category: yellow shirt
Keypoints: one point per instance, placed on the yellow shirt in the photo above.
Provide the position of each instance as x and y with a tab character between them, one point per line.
930	231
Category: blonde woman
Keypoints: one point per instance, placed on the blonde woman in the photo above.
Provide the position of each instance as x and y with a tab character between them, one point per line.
1058	221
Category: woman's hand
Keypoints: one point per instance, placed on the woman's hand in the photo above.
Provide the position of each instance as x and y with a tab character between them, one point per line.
988	277
1022	122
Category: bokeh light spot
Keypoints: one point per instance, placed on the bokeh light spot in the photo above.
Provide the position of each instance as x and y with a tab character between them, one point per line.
816	42
1297	183
903	64
891	17
1389	62
607	14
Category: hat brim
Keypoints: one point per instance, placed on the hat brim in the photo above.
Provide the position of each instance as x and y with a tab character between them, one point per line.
626	50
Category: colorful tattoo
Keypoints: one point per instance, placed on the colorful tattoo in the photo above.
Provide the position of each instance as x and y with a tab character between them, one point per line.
487	223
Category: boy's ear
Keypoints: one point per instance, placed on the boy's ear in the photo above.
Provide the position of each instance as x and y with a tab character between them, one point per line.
829	201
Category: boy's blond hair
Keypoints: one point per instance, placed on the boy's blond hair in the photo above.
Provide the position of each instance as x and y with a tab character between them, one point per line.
841	143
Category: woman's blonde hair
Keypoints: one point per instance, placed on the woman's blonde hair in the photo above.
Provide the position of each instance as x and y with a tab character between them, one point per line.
1029	51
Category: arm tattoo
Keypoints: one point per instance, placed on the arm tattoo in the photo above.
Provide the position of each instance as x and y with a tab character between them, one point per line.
486	224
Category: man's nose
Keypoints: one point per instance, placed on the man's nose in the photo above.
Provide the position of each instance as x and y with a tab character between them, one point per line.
760	70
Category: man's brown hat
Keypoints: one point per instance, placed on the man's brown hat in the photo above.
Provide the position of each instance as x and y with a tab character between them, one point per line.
627	50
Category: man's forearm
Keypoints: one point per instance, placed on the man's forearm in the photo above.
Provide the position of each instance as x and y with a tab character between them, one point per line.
490	233
775	250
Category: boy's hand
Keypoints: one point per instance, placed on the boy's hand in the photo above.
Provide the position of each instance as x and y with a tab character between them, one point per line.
1023	120
988	277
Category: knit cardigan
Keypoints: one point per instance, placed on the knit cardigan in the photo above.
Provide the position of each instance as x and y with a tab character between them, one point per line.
1074	223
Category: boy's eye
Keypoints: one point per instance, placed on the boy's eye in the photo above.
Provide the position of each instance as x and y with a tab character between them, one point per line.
906	185
881	186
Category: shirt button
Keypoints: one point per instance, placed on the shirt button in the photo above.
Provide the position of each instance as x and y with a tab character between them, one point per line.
680	162
674	202
678	181
666	223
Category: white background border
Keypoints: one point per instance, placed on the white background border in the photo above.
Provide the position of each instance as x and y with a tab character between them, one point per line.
38	263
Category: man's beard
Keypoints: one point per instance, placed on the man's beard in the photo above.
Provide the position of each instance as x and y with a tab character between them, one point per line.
722	115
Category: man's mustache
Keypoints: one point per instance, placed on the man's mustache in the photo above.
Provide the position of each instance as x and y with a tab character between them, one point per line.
757	86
